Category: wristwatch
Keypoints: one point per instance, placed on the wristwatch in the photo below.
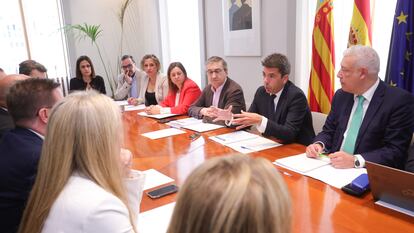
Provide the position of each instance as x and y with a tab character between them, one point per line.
357	164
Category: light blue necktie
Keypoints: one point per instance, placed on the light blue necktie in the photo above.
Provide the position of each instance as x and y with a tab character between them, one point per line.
349	144
134	87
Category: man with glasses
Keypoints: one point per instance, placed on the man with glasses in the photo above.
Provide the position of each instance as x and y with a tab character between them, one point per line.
221	93
279	108
128	81
29	102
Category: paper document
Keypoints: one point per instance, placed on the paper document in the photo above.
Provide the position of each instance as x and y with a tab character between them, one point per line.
155	220
301	163
184	122
154	178
253	144
163	133
320	169
203	127
236	136
128	108
244	142
121	102
194	125
156	116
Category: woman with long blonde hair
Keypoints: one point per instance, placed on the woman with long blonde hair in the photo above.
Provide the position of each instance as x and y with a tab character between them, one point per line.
234	194
84	182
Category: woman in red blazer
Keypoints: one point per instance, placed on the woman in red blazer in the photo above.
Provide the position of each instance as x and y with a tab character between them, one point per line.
183	92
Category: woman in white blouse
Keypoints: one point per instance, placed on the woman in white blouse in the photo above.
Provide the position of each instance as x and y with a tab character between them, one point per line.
84	182
153	87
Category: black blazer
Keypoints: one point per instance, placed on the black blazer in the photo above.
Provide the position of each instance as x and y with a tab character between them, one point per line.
20	150
97	83
292	121
385	132
6	122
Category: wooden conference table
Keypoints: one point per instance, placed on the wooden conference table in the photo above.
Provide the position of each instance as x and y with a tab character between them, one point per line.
317	207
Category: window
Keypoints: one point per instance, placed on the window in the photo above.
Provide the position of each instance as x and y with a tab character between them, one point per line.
182	36
32	30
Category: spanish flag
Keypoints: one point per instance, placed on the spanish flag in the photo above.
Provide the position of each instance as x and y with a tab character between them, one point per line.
360	31
321	82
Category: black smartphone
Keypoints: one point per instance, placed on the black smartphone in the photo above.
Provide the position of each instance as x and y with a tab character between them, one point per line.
160	192
350	189
358	187
166	120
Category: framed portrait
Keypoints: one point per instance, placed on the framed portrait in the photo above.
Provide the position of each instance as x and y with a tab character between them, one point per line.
241	25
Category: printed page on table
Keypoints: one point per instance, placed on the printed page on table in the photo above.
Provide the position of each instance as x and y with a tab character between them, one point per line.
236	136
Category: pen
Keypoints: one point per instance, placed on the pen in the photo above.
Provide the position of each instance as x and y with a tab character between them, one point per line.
323	155
245	147
218	137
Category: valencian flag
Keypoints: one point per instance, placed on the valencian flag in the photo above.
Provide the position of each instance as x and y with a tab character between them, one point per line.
321	82
400	59
360	31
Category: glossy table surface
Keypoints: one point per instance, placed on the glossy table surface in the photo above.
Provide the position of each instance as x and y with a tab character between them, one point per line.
317	207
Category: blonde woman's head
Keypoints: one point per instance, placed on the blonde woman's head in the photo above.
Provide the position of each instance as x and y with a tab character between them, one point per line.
233	194
85	129
84	135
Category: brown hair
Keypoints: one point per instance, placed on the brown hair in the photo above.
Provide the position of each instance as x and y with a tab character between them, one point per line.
26	97
277	60
171	85
152	57
26	67
78	71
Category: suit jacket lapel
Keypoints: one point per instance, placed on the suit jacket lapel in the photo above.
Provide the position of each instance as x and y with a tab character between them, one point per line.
342	124
281	104
373	107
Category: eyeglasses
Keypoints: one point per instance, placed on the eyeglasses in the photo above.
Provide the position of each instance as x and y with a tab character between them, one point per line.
129	66
217	71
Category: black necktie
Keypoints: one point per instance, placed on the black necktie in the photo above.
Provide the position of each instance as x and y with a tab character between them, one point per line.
272	104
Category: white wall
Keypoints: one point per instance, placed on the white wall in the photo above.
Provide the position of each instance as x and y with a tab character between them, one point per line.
277	35
143	36
142	33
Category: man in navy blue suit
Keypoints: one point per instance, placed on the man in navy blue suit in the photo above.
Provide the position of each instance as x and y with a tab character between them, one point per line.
279	108
29	103
369	120
6	121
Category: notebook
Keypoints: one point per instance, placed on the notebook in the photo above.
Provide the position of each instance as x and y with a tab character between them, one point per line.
392	188
320	169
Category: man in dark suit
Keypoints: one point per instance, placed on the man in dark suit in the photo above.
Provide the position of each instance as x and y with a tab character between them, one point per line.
242	18
29	103
221	93
369	120
6	121
279	108
409	166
